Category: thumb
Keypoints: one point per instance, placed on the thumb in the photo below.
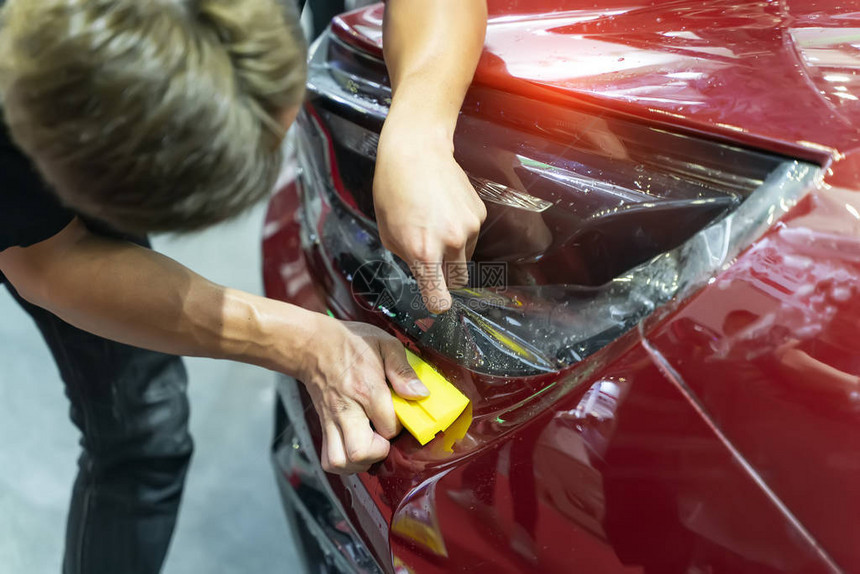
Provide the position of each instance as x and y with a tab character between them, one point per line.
400	373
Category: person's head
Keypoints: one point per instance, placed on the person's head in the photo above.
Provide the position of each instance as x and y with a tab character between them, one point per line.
152	115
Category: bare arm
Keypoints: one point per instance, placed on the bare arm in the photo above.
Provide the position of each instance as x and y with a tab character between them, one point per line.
431	51
429	214
133	295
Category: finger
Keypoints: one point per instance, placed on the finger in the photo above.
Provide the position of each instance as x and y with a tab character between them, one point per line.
380	409
363	446
399	372
470	246
333	455
456	268
431	283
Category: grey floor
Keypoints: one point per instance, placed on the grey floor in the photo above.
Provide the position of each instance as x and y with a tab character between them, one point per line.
231	520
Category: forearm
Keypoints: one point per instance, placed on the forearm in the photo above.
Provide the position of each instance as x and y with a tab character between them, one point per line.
133	295
431	50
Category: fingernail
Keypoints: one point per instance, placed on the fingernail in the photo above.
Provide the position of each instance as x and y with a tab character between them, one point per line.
416	387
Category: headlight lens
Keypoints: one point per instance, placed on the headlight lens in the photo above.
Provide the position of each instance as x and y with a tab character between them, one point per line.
627	218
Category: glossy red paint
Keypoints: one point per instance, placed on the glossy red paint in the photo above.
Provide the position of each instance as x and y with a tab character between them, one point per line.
285	272
769	352
775	75
720	437
615	467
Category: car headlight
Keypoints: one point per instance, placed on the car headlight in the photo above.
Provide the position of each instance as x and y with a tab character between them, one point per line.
594	221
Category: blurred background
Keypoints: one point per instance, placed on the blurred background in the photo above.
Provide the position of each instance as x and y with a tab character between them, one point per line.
231	519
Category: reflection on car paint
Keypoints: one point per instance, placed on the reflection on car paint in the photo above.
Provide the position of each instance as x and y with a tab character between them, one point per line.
417	520
652	454
778	329
740	68
518	330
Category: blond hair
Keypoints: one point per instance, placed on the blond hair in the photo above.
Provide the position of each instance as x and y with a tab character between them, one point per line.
152	115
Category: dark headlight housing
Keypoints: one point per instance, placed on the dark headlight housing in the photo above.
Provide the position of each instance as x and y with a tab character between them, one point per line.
638	216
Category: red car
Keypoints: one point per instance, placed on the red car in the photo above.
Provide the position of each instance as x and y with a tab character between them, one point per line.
660	337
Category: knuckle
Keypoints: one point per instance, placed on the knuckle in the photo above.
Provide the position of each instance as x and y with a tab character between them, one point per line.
416	247
421	253
382	399
404	369
387	344
481	212
335	465
384	411
335	402
358	390
456	237
360	455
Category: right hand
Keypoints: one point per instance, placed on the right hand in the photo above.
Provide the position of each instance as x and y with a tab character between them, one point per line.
428	213
345	373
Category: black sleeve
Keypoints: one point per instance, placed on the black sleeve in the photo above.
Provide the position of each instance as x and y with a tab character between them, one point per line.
29	211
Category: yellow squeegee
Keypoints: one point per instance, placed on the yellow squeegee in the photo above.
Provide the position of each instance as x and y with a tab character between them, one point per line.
426	417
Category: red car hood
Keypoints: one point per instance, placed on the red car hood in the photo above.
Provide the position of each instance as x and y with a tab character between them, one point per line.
783	76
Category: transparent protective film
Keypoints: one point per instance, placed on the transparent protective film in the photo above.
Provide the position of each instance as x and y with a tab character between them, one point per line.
594	220
523	330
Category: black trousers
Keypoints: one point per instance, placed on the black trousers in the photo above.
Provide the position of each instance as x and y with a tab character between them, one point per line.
132	410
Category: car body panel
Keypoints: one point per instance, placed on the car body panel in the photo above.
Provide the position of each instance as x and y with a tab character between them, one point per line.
676	453
740	70
721	435
635	482
768	351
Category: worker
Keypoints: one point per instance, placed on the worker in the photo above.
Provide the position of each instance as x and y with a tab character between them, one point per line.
124	117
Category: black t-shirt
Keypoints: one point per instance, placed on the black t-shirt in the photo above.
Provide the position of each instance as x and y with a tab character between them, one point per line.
29	211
